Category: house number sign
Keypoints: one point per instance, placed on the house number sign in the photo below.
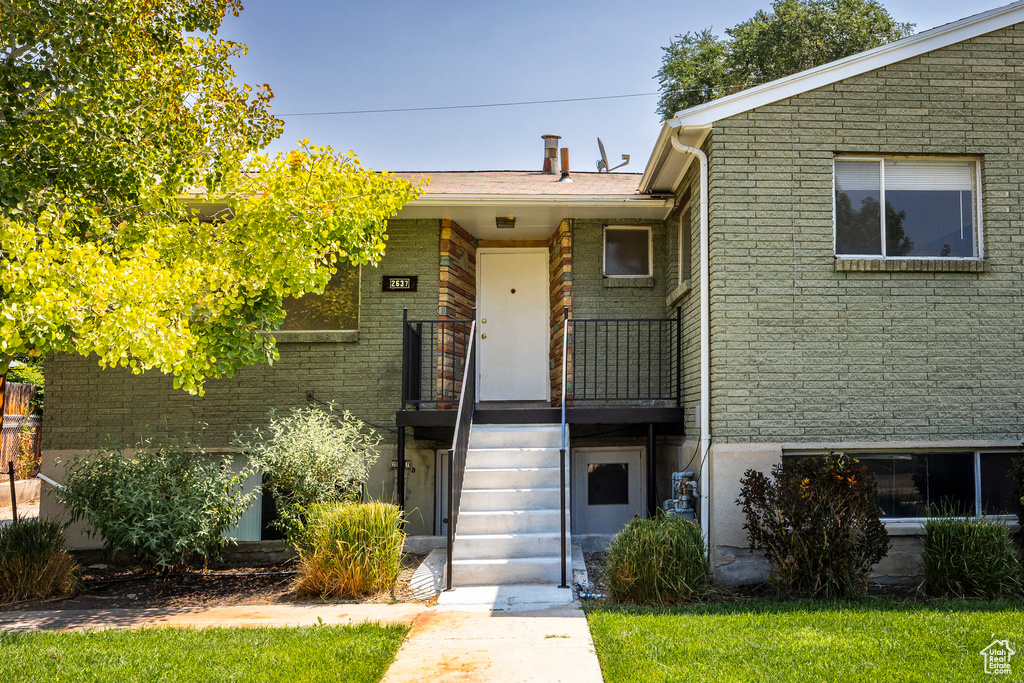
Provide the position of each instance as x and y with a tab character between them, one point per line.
399	283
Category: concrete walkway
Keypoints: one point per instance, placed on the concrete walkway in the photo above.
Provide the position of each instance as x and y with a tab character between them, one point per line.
206	617
520	638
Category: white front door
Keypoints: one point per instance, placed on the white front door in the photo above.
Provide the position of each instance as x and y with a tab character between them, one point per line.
608	488
514	336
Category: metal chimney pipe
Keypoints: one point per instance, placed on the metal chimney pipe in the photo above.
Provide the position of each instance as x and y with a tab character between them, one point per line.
551	153
565	166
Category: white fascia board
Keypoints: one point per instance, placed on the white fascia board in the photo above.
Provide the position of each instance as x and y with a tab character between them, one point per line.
663	151
855	65
541	200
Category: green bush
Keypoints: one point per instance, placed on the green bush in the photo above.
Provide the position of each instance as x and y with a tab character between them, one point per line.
818	521
311	456
34	562
972	557
350	549
163	506
659	561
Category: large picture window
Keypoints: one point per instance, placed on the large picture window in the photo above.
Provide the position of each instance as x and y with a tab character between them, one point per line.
913	485
907	208
336	309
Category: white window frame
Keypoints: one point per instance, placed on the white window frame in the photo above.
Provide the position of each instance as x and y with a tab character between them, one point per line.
650	250
977	452
979	241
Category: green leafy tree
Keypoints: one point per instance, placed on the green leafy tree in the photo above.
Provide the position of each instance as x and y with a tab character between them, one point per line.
112	112
795	35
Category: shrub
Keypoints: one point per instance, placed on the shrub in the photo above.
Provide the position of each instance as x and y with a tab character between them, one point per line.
817	520
350	549
34	562
164	506
1017	475
311	456
659	561
972	557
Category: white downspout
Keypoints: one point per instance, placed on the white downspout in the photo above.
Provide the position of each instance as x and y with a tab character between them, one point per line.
705	342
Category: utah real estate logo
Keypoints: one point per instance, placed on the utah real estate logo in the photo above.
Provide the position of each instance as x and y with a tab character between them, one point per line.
997	657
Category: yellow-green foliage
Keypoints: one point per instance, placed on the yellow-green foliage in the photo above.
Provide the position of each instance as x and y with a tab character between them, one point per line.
658	561
350	549
34	562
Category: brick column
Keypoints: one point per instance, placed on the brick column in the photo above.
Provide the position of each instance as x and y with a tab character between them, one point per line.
456	299
560	269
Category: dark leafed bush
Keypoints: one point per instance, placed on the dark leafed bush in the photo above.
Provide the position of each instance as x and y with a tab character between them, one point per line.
164	506
970	557
659	561
34	562
817	520
1017	475
350	549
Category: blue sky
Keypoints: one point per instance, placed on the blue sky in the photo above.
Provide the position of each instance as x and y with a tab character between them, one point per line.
329	56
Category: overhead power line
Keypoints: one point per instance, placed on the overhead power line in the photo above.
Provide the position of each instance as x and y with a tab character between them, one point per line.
466	106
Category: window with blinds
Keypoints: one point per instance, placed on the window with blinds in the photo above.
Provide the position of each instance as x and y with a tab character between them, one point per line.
906	208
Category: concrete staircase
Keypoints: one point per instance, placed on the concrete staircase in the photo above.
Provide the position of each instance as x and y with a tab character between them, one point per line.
509	528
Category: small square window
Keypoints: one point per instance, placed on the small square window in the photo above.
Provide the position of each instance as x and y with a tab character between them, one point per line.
627	251
334	310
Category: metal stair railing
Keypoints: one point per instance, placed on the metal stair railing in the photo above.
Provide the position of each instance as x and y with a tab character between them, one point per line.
460	444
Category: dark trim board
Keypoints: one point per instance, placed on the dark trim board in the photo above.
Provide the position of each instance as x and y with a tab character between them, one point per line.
622	415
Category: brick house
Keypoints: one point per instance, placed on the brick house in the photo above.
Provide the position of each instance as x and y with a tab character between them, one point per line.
828	322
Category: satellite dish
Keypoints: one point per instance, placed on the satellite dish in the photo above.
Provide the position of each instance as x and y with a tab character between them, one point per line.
602	163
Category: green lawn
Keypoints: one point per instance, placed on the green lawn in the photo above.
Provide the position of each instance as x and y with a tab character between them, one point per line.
246	655
806	641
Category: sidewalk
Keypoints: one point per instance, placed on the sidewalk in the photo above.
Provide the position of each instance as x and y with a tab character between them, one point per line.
516	640
206	617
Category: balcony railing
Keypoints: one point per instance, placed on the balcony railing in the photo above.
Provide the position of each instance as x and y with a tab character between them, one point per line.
623	361
610	362
433	362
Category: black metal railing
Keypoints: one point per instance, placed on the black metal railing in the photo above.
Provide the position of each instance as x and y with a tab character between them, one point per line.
561	453
626	360
433	362
460	446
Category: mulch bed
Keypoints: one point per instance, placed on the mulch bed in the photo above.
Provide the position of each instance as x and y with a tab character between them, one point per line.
900	592
211	588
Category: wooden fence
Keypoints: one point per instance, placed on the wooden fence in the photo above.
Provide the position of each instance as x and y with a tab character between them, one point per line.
21	434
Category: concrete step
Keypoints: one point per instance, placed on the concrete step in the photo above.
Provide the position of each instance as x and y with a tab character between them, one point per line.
511	478
515	436
483	458
510	499
505	571
509	521
499	546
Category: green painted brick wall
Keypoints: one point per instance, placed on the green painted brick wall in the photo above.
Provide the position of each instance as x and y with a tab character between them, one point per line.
803	353
88	406
595	296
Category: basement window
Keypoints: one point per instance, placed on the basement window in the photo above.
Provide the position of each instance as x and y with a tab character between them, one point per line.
907	208
627	251
920	485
